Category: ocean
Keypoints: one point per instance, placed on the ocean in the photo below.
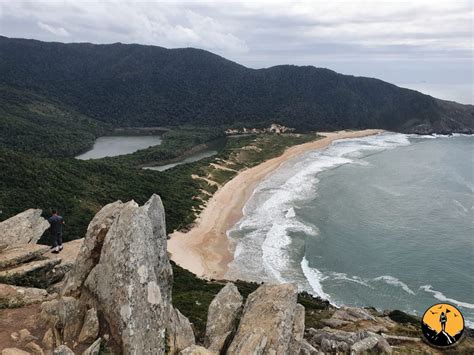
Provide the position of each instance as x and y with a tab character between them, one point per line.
384	221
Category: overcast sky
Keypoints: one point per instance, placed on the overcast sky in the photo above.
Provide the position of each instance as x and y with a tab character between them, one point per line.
426	45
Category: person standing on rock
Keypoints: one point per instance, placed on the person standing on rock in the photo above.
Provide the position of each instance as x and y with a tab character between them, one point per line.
56	229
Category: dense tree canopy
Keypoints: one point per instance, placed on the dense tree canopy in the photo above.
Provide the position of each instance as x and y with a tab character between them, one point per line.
133	85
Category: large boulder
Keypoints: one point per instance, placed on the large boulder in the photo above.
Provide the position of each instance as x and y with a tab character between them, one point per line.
36	273
297	332
196	350
333	339
340	341
34	348
94	349
90	327
122	270
16	296
352	314
123	277
131	281
307	349
180	333
17	255
222	315
14	351
24	228
268	321
65	315
89	253
63	350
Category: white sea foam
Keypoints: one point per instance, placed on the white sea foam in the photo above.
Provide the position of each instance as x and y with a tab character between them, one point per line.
314	278
460	205
265	247
263	243
435	135
345	277
395	282
441	297
290	213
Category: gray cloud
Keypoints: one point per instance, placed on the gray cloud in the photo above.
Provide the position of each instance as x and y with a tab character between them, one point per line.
57	31
403	41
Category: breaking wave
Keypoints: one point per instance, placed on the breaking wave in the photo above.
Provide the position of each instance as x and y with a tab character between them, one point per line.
270	237
441	297
314	278
395	282
264	235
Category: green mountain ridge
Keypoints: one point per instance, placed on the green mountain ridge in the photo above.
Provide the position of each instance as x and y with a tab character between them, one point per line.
137	85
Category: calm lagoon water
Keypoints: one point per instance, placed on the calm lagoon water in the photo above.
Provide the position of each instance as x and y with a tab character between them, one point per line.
384	221
112	146
191	159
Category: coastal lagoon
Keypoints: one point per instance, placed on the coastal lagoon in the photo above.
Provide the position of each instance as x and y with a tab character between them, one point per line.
384	221
111	146
190	159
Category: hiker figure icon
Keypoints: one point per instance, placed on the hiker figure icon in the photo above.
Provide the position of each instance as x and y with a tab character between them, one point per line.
443	319
442	325
56	229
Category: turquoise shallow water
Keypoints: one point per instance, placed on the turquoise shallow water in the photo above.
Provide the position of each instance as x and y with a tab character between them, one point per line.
384	221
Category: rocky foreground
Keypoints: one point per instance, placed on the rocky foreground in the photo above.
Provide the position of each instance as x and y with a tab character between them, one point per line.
111	292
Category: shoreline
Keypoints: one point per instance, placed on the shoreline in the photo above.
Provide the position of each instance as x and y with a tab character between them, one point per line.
205	250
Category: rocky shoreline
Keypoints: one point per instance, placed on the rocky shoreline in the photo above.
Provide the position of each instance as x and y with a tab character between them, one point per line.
112	292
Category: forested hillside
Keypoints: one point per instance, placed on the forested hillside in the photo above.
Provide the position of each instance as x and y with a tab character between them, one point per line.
32	123
55	99
136	85
78	189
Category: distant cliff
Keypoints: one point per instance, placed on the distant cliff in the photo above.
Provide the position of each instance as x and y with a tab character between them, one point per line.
137	85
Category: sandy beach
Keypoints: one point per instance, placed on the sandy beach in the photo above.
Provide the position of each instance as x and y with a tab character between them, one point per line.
205	250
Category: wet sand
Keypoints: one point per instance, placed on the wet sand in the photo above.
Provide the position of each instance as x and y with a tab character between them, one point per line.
206	250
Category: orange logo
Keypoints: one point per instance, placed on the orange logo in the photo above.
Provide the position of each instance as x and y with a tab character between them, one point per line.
442	325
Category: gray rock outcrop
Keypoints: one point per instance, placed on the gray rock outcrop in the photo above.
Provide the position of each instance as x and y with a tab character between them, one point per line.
222	316
307	349
352	314
23	274
48	339
16	296
196	350
65	315
340	341
122	271
17	255
180	333
89	254
297	332
90	327
25	228
34	348
63	350
94	349
14	351
268	321
131	283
